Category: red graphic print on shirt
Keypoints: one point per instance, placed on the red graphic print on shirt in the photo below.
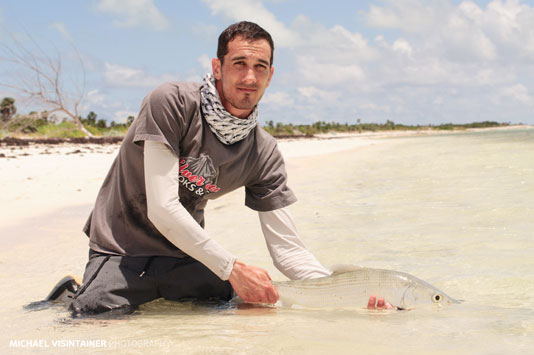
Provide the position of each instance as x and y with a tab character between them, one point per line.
198	175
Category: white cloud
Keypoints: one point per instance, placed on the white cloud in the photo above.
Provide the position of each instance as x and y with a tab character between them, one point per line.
335	43
402	46
122	115
205	62
119	75
278	99
205	30
511	24
412	16
95	97
317	72
194	78
253	10
438	100
463	32
313	94
461	45
111	110
62	29
134	13
349	39
519	93
97	101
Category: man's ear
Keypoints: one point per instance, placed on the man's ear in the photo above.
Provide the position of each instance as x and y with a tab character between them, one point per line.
216	67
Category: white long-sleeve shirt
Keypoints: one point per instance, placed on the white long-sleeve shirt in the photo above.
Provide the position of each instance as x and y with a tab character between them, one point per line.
173	221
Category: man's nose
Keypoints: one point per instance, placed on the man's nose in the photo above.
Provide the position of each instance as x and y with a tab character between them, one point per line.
250	76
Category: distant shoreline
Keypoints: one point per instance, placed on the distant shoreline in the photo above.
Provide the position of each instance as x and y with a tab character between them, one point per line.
23	141
26	141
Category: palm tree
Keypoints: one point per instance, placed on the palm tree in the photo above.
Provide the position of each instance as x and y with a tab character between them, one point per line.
7	108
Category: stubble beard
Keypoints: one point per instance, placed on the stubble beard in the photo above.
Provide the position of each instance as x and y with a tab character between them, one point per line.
244	103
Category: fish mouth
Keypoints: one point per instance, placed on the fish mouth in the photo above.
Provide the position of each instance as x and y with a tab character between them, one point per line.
456	301
450	300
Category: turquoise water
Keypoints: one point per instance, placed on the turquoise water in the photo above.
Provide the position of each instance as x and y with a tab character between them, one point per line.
456	210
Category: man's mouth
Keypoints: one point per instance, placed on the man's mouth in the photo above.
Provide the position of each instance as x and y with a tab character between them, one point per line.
246	89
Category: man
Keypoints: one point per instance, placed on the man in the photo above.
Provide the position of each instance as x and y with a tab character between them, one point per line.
191	143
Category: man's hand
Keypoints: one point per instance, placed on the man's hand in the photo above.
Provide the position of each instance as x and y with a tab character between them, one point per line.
378	304
252	284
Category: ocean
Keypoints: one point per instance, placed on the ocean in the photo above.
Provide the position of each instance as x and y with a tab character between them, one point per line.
454	209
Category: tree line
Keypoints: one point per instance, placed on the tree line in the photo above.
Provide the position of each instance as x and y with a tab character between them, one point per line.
46	124
321	127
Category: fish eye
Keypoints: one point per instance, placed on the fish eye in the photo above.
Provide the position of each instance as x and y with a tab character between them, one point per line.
436	298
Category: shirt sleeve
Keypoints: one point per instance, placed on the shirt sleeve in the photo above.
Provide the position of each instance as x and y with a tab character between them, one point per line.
161	117
268	189
169	216
289	254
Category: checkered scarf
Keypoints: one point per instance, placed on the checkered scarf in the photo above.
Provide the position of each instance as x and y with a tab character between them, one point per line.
229	129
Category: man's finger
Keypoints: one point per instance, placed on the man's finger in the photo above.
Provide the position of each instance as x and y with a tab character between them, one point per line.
372	302
380	303
272	295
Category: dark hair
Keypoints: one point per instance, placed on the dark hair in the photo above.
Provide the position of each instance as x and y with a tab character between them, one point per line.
248	30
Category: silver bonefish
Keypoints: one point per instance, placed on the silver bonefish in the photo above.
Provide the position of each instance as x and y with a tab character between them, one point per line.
351	286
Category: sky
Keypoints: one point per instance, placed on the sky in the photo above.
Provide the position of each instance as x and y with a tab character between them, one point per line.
408	61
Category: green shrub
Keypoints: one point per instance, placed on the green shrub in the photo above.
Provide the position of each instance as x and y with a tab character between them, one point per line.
65	129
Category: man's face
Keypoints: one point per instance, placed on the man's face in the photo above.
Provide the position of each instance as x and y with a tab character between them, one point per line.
244	75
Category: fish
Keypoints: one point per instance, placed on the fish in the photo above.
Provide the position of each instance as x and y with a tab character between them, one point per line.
351	286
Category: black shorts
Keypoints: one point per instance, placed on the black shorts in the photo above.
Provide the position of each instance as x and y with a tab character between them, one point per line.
121	283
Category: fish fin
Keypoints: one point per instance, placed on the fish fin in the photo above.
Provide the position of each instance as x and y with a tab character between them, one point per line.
343	268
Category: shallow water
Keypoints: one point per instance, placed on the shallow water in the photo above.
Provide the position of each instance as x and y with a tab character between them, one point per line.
456	210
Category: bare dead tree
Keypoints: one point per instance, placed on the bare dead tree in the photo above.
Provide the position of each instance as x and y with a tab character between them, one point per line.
41	79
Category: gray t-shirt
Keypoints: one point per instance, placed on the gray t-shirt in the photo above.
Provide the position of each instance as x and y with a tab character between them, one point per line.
208	169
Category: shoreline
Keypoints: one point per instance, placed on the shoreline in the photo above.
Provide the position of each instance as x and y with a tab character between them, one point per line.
104	140
13	147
